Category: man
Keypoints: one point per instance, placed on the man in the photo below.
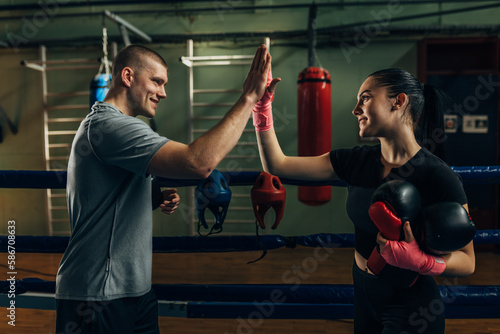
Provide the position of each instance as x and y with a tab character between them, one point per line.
104	279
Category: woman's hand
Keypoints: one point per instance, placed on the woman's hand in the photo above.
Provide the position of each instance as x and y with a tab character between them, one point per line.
408	255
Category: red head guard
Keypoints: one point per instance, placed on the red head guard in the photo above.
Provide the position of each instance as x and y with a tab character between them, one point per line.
268	192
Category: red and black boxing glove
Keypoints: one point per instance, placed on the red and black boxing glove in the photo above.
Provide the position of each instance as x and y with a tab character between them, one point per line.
393	203
444	227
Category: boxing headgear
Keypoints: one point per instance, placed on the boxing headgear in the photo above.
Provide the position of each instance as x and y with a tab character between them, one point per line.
268	192
213	193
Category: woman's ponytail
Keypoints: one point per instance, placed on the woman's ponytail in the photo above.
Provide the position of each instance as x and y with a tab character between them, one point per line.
429	131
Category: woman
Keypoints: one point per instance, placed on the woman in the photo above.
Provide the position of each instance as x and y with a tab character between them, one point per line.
404	115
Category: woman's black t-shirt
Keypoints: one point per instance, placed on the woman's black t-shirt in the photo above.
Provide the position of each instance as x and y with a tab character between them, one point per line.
362	169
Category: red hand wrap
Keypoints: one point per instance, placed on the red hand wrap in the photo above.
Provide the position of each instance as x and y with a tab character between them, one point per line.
408	255
263	110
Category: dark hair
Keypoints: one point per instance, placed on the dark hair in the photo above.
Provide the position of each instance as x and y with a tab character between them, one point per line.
133	56
426	106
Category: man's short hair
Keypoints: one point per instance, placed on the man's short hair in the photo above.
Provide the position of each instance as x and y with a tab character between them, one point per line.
133	56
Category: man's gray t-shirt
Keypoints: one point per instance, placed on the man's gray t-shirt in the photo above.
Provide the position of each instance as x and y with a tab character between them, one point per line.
109	254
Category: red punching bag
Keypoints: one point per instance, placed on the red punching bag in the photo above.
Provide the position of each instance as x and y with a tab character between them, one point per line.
314	128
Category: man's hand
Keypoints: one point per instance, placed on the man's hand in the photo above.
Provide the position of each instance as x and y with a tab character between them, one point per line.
170	201
256	82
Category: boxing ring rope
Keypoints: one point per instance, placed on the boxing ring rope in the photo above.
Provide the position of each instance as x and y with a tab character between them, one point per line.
57	179
195	244
318	301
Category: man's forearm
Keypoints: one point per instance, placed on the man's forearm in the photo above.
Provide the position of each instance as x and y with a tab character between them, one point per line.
215	144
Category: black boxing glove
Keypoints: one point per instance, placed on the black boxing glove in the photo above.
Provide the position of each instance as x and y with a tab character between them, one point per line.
445	227
156	195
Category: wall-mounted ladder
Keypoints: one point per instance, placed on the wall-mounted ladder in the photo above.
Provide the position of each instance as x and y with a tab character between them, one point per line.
63	110
206	107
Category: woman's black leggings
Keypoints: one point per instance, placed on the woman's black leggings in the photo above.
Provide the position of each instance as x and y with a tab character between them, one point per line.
380	307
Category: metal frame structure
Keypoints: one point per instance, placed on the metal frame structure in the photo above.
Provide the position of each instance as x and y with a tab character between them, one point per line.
124	25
